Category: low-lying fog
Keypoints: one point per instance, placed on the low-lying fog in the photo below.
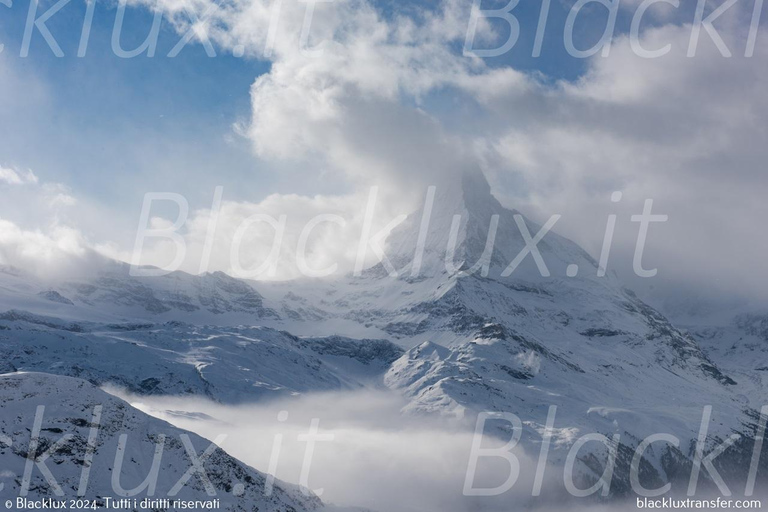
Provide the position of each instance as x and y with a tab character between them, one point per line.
378	458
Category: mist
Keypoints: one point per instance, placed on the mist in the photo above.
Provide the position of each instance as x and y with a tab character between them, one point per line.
378	458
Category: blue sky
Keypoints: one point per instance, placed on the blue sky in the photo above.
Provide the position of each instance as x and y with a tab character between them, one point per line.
116	127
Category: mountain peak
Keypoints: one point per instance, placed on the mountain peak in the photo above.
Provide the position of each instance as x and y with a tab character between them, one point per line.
467	193
475	188
465	227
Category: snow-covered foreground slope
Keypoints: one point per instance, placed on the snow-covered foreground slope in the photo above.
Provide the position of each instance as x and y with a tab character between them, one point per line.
227	364
72	428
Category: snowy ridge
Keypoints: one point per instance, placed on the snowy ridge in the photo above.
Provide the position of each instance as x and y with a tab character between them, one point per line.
226	364
520	343
69	411
111	293
740	347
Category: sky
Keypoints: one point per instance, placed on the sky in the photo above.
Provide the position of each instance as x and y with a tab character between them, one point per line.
382	93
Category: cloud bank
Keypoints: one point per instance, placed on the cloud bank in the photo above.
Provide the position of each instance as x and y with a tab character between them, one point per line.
378	458
385	97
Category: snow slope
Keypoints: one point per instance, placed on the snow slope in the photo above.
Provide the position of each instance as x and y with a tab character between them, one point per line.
69	407
522	341
227	364
110	293
740	347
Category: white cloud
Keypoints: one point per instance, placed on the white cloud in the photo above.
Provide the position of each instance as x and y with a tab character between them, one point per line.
684	131
34	232
688	132
58	195
344	107
40	250
14	177
329	243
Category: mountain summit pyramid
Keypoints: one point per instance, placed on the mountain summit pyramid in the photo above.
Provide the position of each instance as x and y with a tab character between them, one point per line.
523	341
465	227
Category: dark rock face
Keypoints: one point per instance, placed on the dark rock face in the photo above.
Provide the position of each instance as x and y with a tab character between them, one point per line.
381	353
54	296
753	324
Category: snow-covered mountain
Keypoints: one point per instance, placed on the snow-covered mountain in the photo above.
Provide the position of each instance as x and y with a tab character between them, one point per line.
82	429
226	364
522	341
111	293
740	347
486	327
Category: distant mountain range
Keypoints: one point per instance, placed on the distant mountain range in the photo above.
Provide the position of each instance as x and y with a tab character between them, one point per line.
448	338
